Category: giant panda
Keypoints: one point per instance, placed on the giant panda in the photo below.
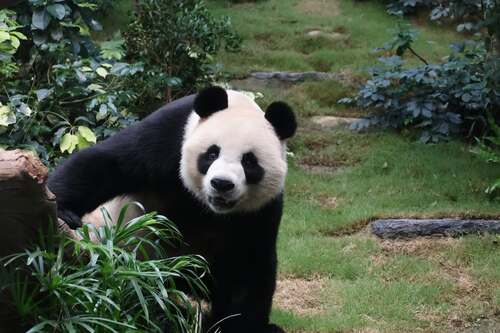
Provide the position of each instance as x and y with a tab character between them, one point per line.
215	164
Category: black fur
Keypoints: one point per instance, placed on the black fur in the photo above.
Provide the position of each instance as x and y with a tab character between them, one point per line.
206	159
253	171
210	100
144	159
281	116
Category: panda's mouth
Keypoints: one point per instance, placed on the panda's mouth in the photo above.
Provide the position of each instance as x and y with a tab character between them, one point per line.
221	203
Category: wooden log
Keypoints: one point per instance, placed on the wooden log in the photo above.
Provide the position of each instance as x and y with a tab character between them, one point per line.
410	228
27	207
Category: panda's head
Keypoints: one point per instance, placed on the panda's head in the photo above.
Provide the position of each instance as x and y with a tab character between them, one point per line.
233	154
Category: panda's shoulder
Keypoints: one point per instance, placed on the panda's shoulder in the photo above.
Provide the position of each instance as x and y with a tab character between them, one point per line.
174	112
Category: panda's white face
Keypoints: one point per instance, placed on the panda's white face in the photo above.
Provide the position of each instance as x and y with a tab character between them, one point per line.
233	161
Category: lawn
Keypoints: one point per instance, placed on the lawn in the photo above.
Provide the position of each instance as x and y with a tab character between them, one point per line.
334	276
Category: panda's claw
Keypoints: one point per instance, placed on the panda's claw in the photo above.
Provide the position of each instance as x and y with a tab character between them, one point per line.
71	219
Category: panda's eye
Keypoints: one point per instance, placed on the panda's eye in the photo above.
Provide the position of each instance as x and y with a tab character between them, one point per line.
212	153
249	160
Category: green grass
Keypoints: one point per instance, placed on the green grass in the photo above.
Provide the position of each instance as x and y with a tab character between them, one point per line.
274	33
385	175
369	285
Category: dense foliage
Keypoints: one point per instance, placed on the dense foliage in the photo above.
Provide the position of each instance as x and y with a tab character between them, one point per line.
452	97
466	11
109	279
177	41
61	91
62	94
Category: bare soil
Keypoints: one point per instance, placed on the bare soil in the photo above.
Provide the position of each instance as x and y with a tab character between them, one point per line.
319	7
300	296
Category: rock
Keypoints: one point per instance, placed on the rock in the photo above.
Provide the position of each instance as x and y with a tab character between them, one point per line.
334	36
332	122
253	84
293	76
409	228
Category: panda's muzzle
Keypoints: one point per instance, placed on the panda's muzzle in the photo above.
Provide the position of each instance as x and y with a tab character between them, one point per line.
221	202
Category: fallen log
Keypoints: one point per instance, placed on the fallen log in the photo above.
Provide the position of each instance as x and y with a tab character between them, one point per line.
410	228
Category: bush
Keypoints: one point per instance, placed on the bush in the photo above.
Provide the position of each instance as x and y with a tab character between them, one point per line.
459	10
55	116
61	91
10	40
177	41
111	279
436	99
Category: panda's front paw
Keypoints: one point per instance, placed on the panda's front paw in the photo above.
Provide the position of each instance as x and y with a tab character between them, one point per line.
271	328
70	218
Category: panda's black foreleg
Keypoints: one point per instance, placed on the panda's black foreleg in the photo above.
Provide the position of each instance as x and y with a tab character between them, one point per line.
84	181
242	302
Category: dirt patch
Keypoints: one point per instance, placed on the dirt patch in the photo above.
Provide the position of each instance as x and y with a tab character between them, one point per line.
419	246
319	7
321	163
348	78
328	201
300	296
318	169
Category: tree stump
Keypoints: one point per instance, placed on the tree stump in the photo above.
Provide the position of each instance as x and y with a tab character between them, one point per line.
27	209
410	228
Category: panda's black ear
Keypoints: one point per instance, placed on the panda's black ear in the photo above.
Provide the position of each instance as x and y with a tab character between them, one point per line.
281	116
210	100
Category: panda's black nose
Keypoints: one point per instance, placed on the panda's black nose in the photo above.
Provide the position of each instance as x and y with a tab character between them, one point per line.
222	185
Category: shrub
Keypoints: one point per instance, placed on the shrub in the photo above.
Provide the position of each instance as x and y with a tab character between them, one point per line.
113	278
459	10
62	91
56	116
177	41
10	39
436	99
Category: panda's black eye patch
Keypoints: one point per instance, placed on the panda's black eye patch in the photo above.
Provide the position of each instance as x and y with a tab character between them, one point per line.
253	171
206	159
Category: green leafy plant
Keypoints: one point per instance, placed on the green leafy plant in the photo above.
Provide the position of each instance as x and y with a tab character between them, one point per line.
438	100
467	12
177	41
81	102
60	26
10	40
63	91
115	278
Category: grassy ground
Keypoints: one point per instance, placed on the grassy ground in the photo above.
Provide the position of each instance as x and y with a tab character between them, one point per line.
275	35
334	275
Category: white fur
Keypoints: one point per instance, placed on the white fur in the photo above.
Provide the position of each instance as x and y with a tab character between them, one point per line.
238	129
113	208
